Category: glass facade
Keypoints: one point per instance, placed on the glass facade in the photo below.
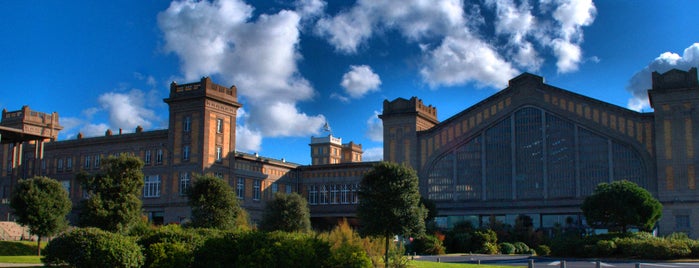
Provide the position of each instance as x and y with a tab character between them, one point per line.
533	155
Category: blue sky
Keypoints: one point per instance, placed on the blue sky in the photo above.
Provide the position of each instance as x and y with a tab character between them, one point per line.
298	64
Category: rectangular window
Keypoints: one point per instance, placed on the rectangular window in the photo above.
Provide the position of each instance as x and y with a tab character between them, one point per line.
344	192
151	187
185	153
288	188
275	188
333	194
218	174
59	166
219	125
323	196
43	164
184	183
256	190
159	157
87	162
240	188
682	222
219	153
187	124
146	159
69	163
354	197
312	194
97	161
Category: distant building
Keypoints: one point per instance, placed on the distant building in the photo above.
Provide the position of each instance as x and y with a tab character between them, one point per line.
531	149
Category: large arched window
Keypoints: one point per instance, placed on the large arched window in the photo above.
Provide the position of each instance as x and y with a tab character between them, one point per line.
533	155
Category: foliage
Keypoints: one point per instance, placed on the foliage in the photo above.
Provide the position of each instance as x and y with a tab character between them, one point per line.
348	255
172	246
622	204
213	203
507	248
286	212
427	245
521	248
114	202
626	245
431	208
389	202
260	249
92	247
543	250
41	204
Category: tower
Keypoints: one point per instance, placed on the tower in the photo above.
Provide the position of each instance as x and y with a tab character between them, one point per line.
330	150
402	120
202	126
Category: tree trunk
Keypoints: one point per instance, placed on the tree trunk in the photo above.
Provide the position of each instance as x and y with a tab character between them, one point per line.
38	245
386	248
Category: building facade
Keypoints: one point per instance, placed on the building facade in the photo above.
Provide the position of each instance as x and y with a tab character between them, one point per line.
539	150
531	149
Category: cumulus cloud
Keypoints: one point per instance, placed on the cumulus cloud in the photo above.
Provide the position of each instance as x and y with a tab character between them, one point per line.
247	140
127	111
640	82
309	9
360	80
456	43
374	127
373	154
259	56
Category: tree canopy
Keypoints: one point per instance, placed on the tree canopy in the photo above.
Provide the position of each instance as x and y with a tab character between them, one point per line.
41	204
622	204
389	202
286	212
113	202
213	202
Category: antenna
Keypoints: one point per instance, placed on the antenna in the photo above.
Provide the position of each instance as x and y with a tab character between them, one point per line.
326	127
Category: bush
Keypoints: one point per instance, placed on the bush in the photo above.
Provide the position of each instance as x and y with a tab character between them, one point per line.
427	245
348	255
171	244
92	247
458	242
489	248
605	248
521	248
543	250
507	248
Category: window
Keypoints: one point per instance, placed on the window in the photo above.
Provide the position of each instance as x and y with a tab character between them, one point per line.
218	174
219	153
312	194
256	190
184	183
146	159
288	188
240	188
87	162
69	163
151	187
354	196
43	164
219	125
187	124
185	153
97	160
159	157
323	195
275	188
66	186
682	222
333	194
59	166
344	191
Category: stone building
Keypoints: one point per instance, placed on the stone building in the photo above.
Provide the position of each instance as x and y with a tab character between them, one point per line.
539	150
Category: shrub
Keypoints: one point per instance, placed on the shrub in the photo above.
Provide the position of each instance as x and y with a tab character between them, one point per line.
349	255
543	250
428	245
171	244
521	248
507	248
458	242
605	248
92	247
170	254
489	248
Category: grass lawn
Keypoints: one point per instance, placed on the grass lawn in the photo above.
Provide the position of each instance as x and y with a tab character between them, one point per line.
430	264
20	259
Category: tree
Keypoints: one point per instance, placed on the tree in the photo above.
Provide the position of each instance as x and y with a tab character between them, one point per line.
622	204
389	203
213	202
286	212
113	202
41	204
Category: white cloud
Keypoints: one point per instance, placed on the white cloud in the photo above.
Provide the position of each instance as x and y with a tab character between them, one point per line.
462	59
372	154
571	16
247	140
259	57
360	80
127	111
309	8
347	30
640	82
374	127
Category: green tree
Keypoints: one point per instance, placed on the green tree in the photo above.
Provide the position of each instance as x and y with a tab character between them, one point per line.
286	212
113	202
213	202
389	203
622	204
41	204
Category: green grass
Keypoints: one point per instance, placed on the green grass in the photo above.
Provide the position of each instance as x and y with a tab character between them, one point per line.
20	259
19	248
430	264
